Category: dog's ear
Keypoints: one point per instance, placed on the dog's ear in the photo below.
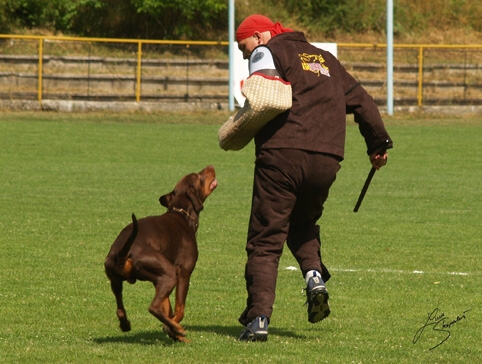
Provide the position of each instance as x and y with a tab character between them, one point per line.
166	199
196	201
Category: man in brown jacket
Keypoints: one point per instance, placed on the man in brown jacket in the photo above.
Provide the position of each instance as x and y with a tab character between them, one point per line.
298	154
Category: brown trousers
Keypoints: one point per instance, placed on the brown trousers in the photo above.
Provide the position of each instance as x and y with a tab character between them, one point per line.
290	188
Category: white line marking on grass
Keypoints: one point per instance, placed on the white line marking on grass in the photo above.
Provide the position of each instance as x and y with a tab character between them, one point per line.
397	271
393	271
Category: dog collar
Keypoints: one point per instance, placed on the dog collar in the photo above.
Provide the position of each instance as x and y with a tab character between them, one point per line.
181	211
186	214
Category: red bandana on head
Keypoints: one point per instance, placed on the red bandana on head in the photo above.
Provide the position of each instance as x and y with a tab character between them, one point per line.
260	24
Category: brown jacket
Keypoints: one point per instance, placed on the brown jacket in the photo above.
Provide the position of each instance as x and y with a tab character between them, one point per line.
323	93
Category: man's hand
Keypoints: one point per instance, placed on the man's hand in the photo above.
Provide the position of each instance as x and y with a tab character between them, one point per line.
378	160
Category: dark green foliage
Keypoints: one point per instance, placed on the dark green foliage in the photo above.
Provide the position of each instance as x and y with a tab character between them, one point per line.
208	19
154	19
50	14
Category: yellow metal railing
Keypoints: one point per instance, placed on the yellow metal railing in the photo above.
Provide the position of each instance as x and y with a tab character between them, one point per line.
140	43
421	48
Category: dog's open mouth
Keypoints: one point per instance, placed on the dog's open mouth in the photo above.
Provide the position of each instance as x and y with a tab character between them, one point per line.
213	185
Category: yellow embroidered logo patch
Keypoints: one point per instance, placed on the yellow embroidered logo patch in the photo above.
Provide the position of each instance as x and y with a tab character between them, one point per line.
314	63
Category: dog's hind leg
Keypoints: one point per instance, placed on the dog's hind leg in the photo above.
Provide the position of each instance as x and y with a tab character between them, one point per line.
116	286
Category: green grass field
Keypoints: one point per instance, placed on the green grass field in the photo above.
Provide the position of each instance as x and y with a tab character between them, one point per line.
69	184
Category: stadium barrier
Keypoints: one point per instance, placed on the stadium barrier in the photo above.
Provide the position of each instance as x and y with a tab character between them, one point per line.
453	72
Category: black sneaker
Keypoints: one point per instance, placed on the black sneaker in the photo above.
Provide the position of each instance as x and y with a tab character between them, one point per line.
256	330
317	300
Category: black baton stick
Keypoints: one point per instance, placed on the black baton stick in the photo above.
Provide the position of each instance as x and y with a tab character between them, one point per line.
370	176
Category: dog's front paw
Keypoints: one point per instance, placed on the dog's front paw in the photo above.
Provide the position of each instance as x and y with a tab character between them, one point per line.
169	332
183	339
179	335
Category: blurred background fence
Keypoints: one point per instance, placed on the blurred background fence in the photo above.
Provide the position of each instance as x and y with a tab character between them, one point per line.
89	69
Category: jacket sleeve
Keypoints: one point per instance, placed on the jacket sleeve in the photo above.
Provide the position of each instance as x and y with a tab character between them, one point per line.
367	116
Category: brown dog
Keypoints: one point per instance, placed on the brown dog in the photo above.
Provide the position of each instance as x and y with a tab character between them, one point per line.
162	249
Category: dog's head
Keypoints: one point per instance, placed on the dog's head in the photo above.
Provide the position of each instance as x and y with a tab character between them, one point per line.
191	191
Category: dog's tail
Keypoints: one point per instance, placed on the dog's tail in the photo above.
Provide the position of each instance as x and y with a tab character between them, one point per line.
130	240
127	266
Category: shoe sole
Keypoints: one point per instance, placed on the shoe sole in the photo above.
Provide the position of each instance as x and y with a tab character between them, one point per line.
320	309
259	336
